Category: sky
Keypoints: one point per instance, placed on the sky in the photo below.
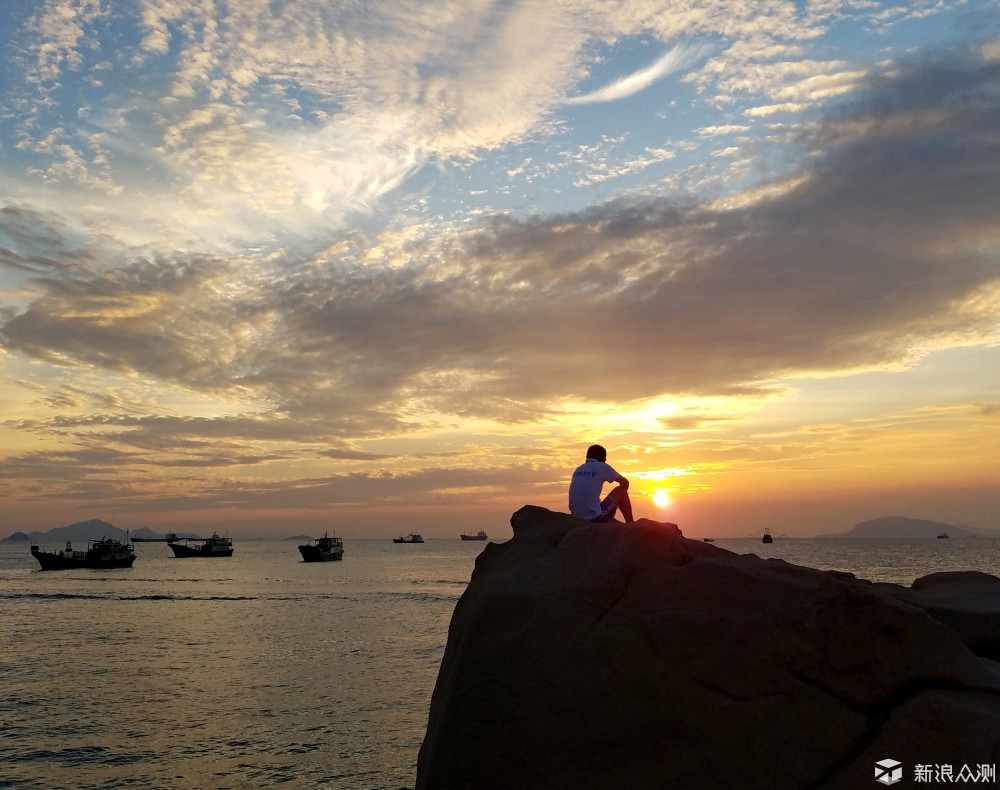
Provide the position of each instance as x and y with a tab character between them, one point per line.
377	267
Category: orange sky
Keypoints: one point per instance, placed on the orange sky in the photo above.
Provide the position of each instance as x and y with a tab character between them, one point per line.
401	274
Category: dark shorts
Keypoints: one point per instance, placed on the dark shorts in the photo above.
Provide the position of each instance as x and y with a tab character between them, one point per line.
608	509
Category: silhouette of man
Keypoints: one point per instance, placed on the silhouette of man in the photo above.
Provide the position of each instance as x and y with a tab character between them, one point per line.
585	489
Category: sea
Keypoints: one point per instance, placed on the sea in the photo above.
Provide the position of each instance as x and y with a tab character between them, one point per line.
259	670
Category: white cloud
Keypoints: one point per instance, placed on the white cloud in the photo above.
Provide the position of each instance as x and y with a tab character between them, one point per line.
774	109
62	25
716	131
254	124
603	171
673	60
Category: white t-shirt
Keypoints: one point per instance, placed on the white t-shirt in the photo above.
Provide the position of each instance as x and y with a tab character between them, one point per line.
585	488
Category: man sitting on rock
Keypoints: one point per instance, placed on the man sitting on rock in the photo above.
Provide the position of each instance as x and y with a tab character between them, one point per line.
585	489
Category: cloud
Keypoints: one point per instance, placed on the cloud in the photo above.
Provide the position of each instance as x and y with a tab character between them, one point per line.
353	455
603	171
327	108
874	255
96	480
857	264
673	60
63	28
46	237
877	246
715	131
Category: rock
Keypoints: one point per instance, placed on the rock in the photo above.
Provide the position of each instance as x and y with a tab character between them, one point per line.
627	656
967	601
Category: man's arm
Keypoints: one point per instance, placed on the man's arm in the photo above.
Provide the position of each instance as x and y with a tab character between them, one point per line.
622	481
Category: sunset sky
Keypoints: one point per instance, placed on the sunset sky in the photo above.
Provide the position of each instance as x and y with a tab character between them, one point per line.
278	267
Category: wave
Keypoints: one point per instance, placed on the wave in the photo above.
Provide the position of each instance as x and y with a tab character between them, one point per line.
450	582
77	756
11	596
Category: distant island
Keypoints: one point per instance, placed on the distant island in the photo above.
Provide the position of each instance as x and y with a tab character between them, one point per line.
900	527
88	530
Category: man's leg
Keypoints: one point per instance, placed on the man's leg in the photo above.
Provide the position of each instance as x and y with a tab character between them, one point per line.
620	495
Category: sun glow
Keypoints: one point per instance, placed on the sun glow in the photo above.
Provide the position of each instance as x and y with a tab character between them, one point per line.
661	499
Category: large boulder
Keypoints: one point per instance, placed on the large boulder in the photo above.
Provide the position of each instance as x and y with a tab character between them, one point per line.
627	656
967	601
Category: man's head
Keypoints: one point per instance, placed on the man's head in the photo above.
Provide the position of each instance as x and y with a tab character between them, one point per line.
597	452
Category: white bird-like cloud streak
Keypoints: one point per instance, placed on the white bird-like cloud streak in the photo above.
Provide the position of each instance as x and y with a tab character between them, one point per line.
669	62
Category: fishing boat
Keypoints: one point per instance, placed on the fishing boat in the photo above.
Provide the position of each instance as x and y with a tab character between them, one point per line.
413	537
214	546
103	553
478	536
943	535
767	536
324	549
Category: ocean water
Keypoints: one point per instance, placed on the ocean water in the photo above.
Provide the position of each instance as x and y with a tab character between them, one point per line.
260	670
879	560
256	670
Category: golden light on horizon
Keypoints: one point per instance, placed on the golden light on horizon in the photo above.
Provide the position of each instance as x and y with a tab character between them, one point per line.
661	499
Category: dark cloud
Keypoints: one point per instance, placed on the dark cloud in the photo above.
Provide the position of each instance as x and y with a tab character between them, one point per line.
45	468
52	246
353	455
692	422
165	434
424	487
880	251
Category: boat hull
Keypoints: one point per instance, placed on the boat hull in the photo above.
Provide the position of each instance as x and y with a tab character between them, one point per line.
314	554
183	550
473	537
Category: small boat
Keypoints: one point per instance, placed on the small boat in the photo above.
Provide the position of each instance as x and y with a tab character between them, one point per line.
413	537
214	546
103	553
324	549
478	536
943	535
767	536
708	540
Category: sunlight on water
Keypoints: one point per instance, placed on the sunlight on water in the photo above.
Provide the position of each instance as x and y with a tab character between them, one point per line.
250	671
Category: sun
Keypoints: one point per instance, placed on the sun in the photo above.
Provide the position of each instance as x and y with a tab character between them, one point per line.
660	499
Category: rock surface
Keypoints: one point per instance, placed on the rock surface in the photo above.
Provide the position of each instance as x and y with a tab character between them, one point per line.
967	601
613	656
